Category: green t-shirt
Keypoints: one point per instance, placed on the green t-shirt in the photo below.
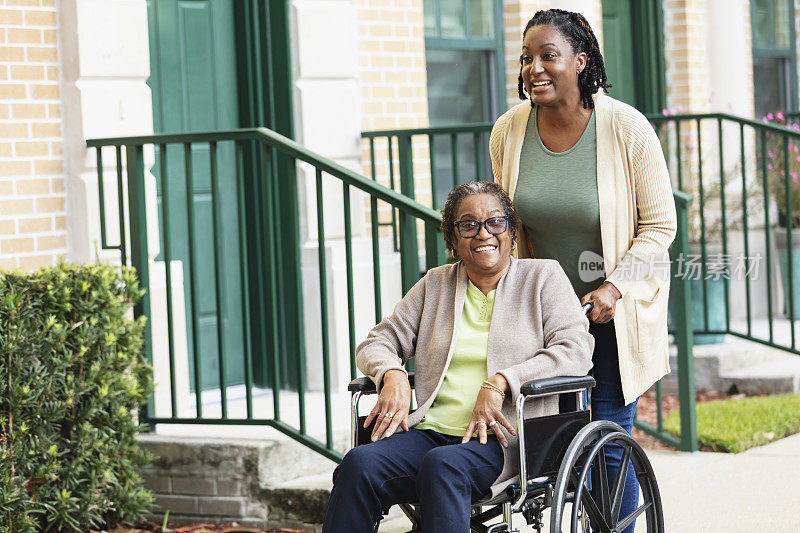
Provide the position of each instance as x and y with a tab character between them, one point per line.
452	409
556	198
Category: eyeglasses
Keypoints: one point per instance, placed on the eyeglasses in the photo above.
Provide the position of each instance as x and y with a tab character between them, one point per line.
470	228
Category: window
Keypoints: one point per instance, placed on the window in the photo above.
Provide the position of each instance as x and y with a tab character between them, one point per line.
466	79
464	55
774	60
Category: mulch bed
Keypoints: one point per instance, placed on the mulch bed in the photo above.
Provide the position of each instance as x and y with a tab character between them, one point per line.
647	409
233	527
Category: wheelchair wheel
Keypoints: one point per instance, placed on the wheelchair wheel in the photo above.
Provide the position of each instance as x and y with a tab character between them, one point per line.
583	483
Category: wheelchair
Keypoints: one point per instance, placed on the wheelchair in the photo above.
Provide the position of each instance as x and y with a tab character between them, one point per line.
564	467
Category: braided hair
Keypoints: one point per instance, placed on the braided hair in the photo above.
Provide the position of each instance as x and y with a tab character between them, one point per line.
576	30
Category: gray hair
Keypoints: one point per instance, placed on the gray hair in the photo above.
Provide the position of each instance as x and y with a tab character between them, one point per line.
470	189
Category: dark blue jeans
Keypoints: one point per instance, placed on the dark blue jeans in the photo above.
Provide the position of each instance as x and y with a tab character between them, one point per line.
423	466
608	404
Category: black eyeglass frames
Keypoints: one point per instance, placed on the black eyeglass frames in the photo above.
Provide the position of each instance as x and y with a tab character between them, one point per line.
470	228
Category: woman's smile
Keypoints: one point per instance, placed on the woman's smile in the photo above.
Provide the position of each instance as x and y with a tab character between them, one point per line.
484	255
486	248
550	67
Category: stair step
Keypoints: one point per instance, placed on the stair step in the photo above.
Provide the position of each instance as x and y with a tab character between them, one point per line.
739	365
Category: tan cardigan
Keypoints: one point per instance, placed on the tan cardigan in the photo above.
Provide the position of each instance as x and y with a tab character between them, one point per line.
637	225
537	331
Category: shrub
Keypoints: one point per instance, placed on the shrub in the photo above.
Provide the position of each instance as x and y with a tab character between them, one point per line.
72	376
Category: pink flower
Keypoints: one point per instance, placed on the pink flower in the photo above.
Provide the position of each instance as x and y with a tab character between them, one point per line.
796	126
770	116
770	153
794	176
665	111
779	116
798	158
769	166
764	120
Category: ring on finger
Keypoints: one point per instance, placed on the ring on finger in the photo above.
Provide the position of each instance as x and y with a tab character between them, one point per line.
492	423
481	422
389	415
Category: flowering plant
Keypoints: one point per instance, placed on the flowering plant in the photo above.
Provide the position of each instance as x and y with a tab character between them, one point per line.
782	178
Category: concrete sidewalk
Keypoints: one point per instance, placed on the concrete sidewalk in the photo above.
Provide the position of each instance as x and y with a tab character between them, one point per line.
755	491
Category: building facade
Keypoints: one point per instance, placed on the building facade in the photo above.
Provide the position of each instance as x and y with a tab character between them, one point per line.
321	72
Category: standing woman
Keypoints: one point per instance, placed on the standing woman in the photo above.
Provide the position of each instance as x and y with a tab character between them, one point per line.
589	181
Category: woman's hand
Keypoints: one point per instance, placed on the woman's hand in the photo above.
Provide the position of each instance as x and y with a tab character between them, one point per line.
604	299
487	413
392	407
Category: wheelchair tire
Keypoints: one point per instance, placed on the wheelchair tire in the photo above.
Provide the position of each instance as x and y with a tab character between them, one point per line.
584	465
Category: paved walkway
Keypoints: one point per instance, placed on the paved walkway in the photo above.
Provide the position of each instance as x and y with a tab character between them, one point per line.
755	491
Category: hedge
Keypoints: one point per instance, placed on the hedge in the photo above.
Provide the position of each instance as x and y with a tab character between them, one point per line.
72	376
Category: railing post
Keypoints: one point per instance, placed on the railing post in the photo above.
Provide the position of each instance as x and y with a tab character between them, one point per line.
409	257
684	336
140	260
434	247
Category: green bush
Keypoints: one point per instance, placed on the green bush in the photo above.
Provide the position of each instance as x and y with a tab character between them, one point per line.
737	424
72	375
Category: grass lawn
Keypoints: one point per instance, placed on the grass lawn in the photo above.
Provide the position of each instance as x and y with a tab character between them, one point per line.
735	425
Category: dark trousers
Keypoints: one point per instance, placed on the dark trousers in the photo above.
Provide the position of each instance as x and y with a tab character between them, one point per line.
608	404
423	466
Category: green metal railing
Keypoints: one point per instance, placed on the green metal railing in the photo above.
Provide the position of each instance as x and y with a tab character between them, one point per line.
458	154
743	176
234	165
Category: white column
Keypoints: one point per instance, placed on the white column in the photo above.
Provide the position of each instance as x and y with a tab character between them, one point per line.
105	66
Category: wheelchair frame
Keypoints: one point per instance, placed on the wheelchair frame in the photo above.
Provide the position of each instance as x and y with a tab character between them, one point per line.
579	462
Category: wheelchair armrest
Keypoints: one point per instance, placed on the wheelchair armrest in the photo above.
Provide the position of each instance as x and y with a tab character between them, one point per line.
366	386
556	385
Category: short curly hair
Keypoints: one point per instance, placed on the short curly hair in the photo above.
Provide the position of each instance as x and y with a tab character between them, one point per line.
469	189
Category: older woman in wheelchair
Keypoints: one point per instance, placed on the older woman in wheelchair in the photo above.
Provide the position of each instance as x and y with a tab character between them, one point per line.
492	338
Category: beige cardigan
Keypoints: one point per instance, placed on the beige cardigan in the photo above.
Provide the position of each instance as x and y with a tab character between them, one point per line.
637	225
537	331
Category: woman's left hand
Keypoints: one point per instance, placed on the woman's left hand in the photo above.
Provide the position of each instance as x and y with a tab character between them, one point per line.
604	299
487	413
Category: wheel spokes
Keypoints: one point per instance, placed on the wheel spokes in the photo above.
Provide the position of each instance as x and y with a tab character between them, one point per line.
596	517
600	486
619	484
628	520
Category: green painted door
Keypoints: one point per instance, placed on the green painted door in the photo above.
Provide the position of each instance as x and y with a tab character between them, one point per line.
633	50
618	46
194	86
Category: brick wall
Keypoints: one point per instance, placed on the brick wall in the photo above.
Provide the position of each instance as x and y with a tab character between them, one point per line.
685	44
32	187
392	71
260	483
393	80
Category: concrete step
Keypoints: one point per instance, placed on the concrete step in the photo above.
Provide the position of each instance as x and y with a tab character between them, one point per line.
265	482
738	365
